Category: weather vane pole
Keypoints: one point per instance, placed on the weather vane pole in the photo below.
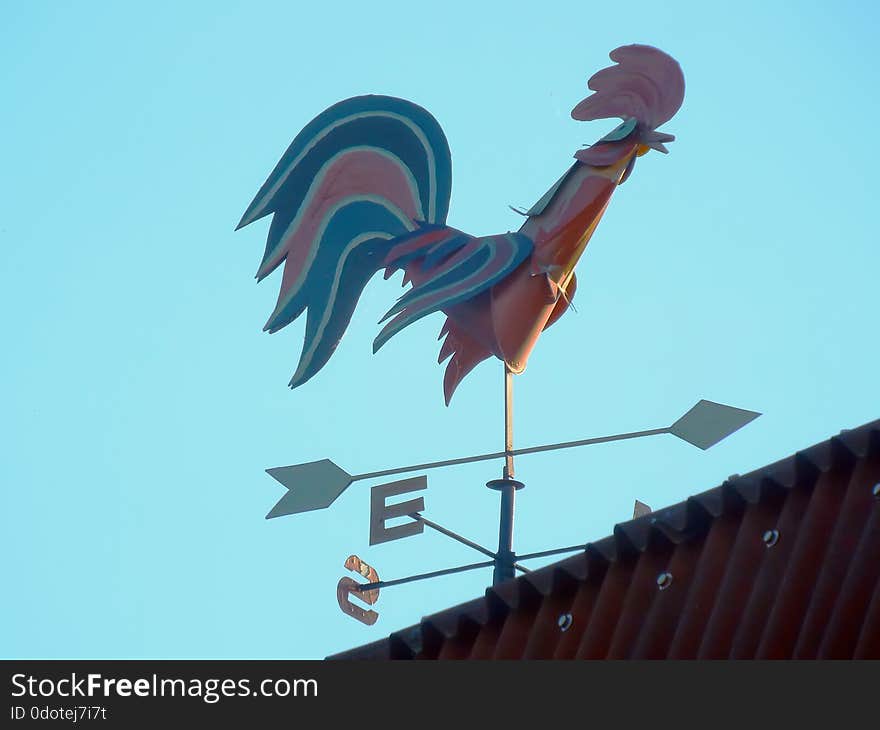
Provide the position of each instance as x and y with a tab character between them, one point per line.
508	487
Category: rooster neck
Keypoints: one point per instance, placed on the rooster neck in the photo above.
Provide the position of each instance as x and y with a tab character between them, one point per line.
569	213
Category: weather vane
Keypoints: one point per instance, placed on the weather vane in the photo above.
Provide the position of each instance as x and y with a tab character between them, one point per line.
366	186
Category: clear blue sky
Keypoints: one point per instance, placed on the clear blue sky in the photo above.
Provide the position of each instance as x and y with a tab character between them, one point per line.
141	401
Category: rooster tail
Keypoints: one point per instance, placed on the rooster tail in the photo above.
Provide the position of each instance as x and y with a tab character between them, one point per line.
361	175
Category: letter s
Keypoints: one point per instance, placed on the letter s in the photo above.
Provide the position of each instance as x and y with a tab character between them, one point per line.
16	683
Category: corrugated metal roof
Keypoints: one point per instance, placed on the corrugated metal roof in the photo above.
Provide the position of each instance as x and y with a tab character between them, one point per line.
731	587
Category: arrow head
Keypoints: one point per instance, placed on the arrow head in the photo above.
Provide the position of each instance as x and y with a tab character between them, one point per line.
707	423
311	486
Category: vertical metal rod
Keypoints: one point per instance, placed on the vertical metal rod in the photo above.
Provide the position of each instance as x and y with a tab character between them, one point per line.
504	560
508	423
504	557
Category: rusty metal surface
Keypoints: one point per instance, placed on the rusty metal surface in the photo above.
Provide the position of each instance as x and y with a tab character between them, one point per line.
347	587
779	563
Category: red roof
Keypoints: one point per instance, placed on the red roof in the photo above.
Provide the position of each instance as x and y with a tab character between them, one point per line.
783	562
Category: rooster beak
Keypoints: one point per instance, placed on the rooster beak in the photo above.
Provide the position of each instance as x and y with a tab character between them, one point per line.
655	141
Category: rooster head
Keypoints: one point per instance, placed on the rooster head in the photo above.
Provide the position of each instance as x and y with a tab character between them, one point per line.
645	89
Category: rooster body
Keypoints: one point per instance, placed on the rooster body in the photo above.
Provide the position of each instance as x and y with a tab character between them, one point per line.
366	186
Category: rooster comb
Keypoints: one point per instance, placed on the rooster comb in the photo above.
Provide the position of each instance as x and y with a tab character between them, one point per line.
644	84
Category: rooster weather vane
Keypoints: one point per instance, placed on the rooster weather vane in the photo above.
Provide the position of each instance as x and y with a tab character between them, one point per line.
366	186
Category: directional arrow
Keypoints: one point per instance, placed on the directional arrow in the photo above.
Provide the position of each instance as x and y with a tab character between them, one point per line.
707	423
317	484
310	486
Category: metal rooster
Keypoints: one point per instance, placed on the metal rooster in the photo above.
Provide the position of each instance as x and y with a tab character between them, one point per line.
366	186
